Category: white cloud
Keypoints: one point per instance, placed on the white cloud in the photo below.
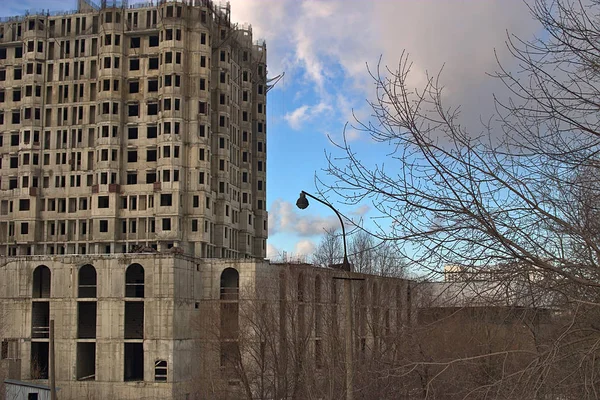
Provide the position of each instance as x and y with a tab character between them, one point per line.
352	134
283	217
306	56
297	117
272	251
305	113
318	8
304	248
361	210
316	42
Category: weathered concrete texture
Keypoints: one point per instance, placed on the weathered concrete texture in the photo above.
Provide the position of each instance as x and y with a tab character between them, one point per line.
174	287
188	313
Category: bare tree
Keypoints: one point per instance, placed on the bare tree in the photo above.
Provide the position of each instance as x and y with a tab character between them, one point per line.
361	252
514	203
366	254
330	250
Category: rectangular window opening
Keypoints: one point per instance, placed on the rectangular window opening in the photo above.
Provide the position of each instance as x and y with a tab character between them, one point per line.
134	362
39	360
134	320
86	361
86	320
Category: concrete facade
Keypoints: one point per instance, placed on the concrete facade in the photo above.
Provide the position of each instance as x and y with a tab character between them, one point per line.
118	336
162	326
130	127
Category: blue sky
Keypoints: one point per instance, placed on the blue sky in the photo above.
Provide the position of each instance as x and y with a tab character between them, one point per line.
324	46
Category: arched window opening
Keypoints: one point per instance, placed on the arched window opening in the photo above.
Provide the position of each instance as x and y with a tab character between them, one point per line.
375	297
334	291
408	302
318	289
362	310
334	306
41	282
376	315
318	311
301	329
282	285
134	281
230	284
398	307
87	281
300	287
386	322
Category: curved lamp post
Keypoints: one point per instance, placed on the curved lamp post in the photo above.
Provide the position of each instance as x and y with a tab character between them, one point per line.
302	203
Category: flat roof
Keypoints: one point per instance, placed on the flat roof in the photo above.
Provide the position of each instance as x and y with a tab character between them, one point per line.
26	384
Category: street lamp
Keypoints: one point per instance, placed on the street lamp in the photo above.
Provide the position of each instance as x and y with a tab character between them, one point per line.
302	203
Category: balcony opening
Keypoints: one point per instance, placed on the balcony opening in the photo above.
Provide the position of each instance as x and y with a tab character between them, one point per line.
40	320
134	281
87	281
39	360
86	320
134	320
41	282
86	361
134	362
230	284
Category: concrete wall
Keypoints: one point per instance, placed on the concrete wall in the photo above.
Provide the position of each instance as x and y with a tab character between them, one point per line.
182	319
177	291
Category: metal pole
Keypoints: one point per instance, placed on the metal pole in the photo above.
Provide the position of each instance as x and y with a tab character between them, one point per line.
345	264
349	344
52	364
302	203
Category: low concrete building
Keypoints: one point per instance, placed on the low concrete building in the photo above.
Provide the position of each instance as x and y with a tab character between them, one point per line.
170	326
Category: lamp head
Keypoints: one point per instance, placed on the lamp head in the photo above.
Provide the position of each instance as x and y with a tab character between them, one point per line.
302	202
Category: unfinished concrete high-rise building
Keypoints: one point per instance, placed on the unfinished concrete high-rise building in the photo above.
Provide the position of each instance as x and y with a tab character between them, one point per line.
128	127
132	155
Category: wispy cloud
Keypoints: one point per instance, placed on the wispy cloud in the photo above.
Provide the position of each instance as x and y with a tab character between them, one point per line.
328	57
297	118
361	210
283	218
305	248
